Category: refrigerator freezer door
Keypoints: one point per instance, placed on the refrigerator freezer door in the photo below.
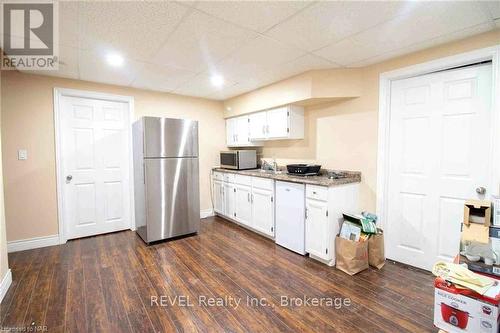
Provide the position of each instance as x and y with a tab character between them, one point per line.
172	198
166	137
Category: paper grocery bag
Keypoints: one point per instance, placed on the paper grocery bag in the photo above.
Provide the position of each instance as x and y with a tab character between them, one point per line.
376	256
351	257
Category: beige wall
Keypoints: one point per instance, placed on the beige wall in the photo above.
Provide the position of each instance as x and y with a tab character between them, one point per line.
343	134
4	265
28	123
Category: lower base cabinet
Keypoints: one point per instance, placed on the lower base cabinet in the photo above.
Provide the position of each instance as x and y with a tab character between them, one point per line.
324	209
243	205
317	229
263	211
250	205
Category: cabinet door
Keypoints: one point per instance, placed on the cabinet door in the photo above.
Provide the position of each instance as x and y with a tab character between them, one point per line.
218	197
230	132
277	123
243	206
317	229
229	198
263	211
258	122
242	131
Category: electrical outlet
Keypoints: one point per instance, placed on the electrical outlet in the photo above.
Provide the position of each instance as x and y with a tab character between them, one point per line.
22	154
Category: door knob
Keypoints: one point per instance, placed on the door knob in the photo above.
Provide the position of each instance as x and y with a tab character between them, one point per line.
480	190
69	178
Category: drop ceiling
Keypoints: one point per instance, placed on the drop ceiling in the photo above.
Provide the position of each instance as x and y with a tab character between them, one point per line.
176	46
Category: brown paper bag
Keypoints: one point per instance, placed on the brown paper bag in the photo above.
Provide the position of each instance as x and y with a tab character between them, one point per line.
376	256
352	257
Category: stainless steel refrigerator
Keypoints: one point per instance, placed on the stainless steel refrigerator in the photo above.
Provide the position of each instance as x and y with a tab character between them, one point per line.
166	177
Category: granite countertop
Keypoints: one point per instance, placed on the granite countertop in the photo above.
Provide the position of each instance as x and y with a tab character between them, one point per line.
321	179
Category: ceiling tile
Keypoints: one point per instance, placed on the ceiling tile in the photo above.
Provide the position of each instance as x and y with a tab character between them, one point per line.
135	27
201	41
161	78
256	15
68	23
494	8
260	54
68	64
93	67
201	86
300	65
430	21
426	44
328	21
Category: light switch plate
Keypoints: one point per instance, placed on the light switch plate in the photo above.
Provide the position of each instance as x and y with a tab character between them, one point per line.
22	154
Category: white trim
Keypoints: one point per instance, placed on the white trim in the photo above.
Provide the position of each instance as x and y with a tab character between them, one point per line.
60	92
32	243
490	53
5	284
204	213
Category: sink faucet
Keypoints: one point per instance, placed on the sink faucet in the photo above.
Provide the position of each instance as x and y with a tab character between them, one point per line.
269	166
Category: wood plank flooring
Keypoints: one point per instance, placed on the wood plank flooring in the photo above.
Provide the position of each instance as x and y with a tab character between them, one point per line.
109	283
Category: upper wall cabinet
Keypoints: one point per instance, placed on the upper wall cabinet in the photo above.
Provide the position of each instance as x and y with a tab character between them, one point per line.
238	132
285	122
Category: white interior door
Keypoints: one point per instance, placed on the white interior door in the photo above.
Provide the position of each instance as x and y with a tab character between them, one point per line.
94	136
440	139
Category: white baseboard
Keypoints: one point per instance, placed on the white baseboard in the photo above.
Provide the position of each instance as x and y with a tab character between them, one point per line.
5	284
206	213
32	243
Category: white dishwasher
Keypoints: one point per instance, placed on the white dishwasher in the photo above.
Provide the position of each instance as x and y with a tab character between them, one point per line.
290	218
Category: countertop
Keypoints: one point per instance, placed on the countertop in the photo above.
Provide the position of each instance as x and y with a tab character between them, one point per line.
321	179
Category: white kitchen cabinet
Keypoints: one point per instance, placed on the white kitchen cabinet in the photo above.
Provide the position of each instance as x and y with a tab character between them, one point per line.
286	122
231	126
325	206
243	204
258	123
317	229
229	199
278	123
218	196
263	211
238	132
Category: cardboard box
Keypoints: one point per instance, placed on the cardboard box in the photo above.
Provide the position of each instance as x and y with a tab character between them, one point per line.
459	310
477	211
493	246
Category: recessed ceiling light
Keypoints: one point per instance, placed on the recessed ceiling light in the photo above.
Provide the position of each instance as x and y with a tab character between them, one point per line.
115	59
217	80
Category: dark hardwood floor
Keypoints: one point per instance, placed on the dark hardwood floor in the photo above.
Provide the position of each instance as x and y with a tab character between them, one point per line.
110	283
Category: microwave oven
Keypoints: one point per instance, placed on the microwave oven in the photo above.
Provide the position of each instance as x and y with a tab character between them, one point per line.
238	159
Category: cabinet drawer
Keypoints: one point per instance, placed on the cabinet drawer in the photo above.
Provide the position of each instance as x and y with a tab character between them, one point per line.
243	180
218	176
317	192
262	183
229	177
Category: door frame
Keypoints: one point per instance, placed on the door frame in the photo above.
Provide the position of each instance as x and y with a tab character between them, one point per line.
485	54
64	92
